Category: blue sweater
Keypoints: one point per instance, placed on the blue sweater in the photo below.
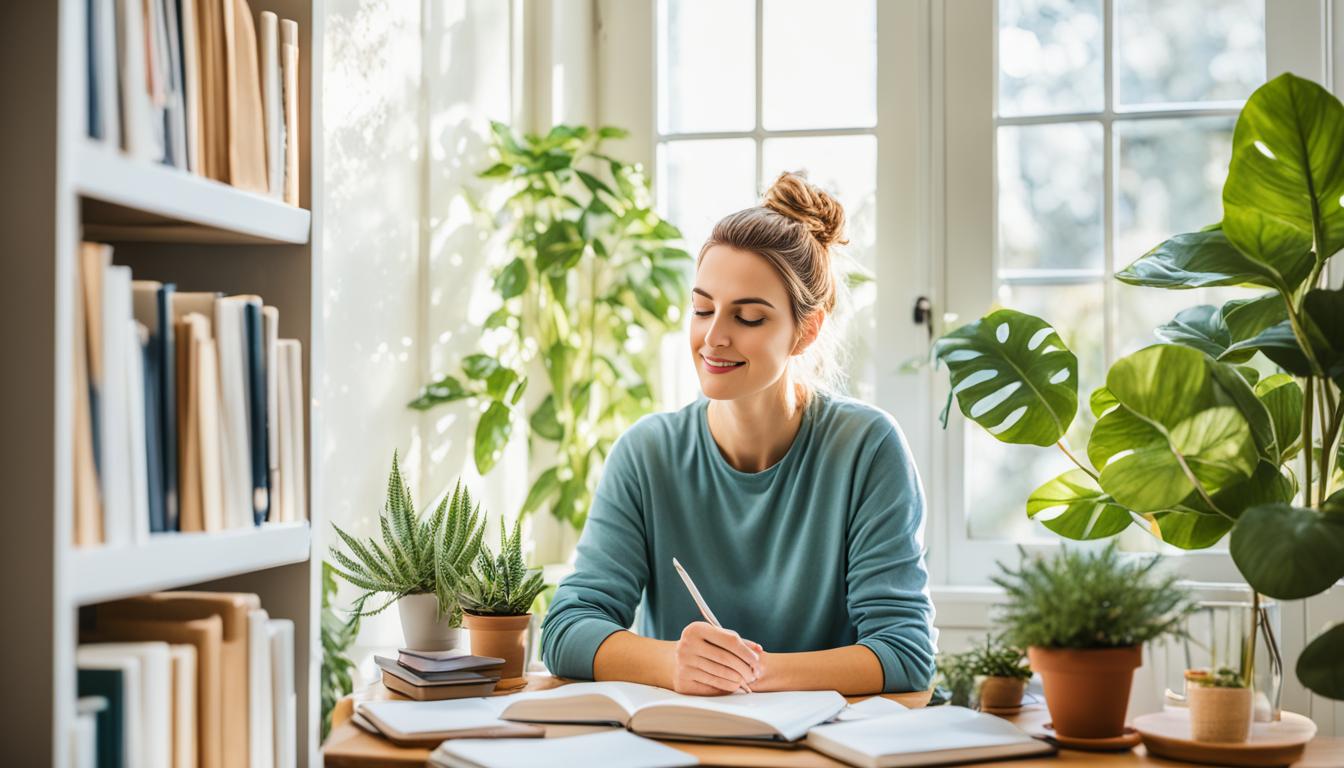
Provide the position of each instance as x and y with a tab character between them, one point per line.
822	550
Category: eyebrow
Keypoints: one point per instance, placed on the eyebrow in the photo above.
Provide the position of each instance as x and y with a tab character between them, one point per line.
747	300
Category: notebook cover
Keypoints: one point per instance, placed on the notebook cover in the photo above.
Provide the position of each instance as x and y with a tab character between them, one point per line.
435	692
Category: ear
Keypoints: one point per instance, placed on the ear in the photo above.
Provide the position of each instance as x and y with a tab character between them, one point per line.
809	331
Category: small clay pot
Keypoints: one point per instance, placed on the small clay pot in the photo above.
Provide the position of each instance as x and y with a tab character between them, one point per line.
1002	692
1087	691
503	637
1220	715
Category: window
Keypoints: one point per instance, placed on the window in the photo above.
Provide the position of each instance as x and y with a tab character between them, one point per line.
747	89
1110	131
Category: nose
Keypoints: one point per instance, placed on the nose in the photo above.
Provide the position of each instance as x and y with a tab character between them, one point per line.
717	333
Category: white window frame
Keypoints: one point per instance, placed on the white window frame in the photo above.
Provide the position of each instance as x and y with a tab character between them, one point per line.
965	36
933	149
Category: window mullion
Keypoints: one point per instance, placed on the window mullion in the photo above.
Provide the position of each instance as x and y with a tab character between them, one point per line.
1110	313
760	95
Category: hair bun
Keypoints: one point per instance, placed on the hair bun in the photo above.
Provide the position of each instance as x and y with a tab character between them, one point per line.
823	216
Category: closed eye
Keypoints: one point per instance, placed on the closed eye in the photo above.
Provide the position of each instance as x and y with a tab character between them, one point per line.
740	319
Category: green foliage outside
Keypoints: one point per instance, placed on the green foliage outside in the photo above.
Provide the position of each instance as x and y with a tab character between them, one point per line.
1084	600
589	283
337	636
502	585
1190	443
415	556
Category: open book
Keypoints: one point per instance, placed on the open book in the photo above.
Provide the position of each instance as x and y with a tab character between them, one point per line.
933	736
660	713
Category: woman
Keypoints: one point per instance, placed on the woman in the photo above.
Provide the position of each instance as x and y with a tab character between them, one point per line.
798	513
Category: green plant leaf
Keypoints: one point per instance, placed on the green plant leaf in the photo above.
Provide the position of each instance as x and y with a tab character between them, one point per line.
512	280
497	171
479	366
1203	259
1089	513
1279	344
612	132
1288	552
544	421
1190	530
492	432
593	183
1323	323
1318	667
1282	397
498	319
1013	375
1246	318
1101	401
546	485
445	390
665	231
559	248
499	381
1286	174
1202	328
1176	420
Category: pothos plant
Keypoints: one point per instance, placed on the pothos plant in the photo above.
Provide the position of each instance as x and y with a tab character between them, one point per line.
1190	443
588	284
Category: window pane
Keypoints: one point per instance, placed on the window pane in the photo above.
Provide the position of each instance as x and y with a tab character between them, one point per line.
819	64
1050	56
1169	180
1050	196
998	477
700	182
845	166
706	65
1194	50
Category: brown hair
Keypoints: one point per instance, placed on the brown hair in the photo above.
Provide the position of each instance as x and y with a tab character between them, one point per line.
794	228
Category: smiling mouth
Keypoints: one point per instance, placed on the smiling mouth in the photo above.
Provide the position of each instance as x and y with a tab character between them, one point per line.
722	364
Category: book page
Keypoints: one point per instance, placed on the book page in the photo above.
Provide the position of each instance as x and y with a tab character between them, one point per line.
584	702
783	714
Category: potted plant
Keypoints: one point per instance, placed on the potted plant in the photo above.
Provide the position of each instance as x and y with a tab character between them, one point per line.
1220	705
418	564
1191	443
954	673
1083	618
497	597
1001	672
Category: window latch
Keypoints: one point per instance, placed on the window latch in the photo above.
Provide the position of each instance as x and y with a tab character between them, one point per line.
923	314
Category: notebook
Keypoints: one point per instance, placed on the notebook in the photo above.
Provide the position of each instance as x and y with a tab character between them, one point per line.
932	736
407	683
617	749
428	663
416	723
767	717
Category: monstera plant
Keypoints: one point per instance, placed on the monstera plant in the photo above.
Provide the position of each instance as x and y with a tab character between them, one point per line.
1190	443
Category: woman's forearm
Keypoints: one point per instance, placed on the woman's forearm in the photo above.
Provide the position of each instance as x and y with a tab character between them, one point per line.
852	670
629	657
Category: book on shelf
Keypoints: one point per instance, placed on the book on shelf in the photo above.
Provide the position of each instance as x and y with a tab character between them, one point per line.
183	704
146	669
109	684
204	86
89	711
189	409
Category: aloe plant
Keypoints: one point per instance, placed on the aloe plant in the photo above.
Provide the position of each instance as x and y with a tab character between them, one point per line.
415	556
502	585
1190	444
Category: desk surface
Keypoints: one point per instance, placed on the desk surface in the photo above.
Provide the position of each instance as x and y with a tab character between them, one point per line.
349	746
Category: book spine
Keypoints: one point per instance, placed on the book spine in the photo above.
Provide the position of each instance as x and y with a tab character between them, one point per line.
258	440
167	364
153	431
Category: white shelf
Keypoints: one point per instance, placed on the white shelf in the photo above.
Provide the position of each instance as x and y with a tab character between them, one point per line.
134	200
177	559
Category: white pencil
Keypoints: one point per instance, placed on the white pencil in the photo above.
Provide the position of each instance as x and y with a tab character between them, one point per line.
699	601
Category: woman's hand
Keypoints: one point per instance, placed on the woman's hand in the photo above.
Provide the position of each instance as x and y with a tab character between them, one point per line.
710	661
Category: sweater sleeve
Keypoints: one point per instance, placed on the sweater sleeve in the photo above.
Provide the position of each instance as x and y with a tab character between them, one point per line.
887	581
610	571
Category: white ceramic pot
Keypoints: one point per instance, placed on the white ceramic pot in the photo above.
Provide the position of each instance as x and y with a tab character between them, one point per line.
421	626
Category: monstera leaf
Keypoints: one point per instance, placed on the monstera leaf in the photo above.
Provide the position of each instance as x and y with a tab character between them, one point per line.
1012	375
1203	259
1286	179
1088	512
1176	424
1289	552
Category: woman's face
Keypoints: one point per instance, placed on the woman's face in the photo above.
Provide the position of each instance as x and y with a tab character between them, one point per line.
742	320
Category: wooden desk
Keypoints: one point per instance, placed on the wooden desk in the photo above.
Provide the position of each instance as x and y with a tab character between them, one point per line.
349	746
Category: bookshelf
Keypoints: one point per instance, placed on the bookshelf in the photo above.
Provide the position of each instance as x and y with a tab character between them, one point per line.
61	188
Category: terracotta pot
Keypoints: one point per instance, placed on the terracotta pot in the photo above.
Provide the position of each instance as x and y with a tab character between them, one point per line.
503	637
1221	715
1087	691
422	628
1002	692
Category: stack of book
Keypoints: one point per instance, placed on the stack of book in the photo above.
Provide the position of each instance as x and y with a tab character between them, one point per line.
188	410
189	678
201	85
438	675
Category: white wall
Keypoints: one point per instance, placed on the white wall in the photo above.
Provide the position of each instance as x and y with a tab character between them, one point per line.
409	90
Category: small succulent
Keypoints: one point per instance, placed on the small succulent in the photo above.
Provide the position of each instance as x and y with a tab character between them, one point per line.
501	585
